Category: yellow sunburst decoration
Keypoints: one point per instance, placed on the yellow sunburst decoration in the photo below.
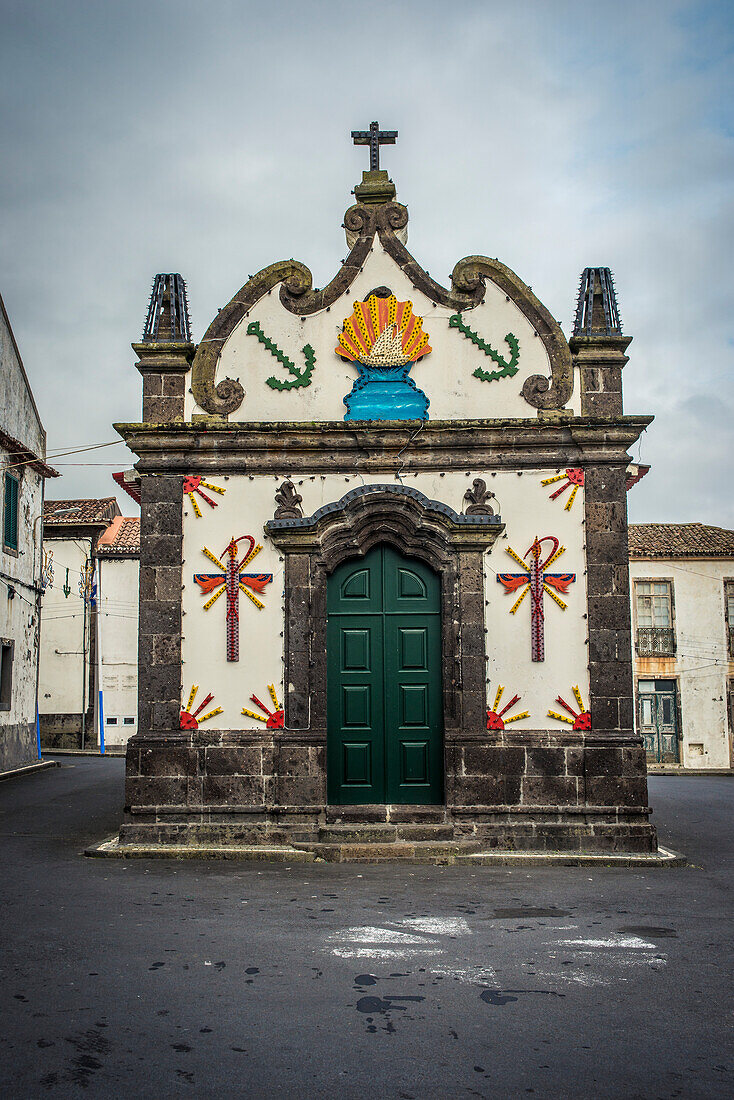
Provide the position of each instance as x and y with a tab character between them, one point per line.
383	332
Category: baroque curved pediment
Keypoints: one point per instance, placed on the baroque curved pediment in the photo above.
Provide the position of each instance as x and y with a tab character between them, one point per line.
364	224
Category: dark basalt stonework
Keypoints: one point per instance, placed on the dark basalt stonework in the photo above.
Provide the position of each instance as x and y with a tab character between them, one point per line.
524	790
528	790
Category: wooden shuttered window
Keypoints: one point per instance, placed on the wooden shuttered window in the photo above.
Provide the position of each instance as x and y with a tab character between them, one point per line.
10	512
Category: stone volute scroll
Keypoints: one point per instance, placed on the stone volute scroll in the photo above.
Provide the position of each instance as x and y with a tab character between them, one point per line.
468	278
288	501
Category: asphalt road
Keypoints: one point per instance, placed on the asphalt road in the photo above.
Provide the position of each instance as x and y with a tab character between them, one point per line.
186	978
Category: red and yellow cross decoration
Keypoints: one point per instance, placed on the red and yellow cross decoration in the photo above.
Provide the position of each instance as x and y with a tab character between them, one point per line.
581	719
233	581
190	719
275	719
569	477
536	581
496	718
195	484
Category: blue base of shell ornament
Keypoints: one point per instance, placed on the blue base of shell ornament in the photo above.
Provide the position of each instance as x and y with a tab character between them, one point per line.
383	338
385	395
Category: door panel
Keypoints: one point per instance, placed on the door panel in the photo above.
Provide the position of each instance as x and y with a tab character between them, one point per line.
385	739
355	752
355	649
413	714
658	723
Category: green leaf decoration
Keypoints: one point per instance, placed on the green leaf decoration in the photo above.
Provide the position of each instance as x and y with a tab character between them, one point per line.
508	369
300	377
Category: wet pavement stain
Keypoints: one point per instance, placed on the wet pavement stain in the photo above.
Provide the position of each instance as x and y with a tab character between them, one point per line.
527	911
383	1004
650	931
505	996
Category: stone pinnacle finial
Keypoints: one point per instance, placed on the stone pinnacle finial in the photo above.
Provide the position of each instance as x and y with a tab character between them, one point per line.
168	312
596	310
376	187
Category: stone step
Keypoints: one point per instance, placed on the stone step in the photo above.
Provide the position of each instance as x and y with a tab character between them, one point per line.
381	814
384	834
437	853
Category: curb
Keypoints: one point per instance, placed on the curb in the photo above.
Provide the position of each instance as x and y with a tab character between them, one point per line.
40	766
689	771
120	753
664	857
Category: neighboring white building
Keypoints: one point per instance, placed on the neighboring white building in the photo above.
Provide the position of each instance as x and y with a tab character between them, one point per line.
682	589
23	470
118	568
67	696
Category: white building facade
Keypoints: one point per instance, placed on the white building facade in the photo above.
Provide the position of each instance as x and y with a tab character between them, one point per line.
118	568
682	590
68	663
22	567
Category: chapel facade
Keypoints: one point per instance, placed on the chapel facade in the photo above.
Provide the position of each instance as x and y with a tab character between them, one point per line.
383	564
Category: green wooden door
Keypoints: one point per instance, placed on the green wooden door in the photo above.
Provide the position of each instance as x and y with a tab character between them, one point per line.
385	725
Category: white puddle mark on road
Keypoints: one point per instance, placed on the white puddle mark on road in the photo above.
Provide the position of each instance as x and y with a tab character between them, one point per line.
631	943
391	942
600	961
439	926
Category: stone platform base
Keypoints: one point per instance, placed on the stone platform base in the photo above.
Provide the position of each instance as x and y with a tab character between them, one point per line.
433	852
435	834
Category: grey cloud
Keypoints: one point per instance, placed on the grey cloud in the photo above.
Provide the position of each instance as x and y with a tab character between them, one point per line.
213	139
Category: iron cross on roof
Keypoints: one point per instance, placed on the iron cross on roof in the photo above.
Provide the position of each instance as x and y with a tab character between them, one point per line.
374	137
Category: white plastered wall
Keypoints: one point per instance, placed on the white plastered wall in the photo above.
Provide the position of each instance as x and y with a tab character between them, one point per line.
118	611
62	631
249	503
19	615
700	666
445	375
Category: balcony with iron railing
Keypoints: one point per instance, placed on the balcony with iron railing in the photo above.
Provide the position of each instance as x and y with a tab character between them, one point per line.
655	641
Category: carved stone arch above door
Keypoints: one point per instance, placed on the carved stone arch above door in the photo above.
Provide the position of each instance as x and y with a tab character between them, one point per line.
452	544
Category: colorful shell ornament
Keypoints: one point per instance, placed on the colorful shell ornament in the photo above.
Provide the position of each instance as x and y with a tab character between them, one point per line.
384	338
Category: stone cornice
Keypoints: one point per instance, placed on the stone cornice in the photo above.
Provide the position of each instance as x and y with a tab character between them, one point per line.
160	357
380	446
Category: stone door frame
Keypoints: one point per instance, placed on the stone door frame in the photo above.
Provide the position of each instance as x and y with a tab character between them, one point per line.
453	545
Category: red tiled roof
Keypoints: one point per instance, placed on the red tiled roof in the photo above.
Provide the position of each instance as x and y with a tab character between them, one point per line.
129	480
121	537
22	456
74	512
680	540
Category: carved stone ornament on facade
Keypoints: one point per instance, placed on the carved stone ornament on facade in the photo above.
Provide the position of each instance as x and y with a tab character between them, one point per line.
477	499
289	502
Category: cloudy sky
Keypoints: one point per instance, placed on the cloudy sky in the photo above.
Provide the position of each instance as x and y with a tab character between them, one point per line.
212	138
